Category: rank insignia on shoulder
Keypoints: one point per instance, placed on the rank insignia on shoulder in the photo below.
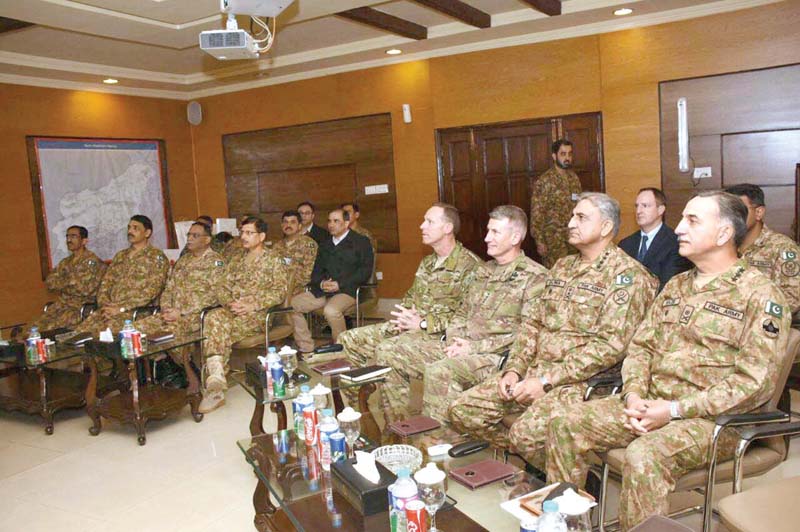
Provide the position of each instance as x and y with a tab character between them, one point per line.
774	309
771	328
788	255
219	263
160	258
92	262
624	280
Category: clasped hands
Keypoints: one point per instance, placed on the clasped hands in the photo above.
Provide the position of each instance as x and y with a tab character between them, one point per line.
524	391
406	319
242	306
645	415
329	285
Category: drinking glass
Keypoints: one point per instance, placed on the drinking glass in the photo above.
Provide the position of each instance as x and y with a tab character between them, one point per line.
289	361
433	495
350	425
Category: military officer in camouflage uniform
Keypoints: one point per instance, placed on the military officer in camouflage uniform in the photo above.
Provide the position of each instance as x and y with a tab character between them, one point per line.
484	326
590	308
776	255
251	283
441	281
76	278
709	345
190	287
135	278
552	200
297	251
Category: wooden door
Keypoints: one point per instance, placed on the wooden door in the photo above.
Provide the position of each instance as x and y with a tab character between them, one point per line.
481	167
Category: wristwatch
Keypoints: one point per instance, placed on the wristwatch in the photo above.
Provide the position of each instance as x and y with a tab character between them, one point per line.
423	325
122	310
546	386
673	410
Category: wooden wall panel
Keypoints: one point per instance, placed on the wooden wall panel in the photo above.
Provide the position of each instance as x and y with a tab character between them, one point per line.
768	158
326	163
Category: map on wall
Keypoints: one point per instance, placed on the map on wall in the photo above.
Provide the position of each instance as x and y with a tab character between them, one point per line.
98	184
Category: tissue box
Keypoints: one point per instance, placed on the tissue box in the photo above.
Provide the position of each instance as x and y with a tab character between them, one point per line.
366	497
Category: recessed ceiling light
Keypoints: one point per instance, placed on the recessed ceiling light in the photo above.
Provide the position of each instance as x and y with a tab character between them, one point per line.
394	51
623	11
110	81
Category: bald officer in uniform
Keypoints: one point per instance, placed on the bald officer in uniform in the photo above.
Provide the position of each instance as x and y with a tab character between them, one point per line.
709	345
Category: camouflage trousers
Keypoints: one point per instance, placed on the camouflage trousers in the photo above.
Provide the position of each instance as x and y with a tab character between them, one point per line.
58	315
97	322
481	410
223	328
407	355
446	380
653	462
359	349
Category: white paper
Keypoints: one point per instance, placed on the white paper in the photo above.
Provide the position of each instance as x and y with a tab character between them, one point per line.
227	224
106	336
365	466
181	228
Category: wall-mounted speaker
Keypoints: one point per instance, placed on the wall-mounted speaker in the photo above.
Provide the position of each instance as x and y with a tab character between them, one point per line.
194	113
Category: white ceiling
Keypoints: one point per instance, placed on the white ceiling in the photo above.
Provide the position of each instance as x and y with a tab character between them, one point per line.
151	46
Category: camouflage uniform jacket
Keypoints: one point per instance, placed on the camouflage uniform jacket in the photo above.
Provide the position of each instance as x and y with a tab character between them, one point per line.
552	204
134	278
490	315
438	291
233	248
715	350
299	257
263	282
584	318
77	278
778	257
191	285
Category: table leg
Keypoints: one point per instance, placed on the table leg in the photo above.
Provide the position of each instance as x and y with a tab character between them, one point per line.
256	422
193	391
280	410
91	396
368	425
47	413
138	421
262	504
338	404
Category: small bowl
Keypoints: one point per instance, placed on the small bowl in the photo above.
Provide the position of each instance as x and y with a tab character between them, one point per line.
393	457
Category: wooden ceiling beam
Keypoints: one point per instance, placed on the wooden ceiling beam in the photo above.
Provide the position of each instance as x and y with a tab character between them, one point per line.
463	12
386	22
548	7
10	24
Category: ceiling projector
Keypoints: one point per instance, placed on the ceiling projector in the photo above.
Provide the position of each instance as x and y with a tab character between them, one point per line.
233	43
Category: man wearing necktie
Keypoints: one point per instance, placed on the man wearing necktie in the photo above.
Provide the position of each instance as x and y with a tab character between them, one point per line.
654	244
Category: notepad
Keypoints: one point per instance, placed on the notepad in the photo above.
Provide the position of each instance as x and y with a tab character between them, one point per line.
365	373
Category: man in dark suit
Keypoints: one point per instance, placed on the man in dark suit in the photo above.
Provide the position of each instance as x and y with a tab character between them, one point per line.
344	262
655	244
307	225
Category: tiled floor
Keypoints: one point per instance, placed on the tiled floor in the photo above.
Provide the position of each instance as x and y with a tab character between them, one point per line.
189	477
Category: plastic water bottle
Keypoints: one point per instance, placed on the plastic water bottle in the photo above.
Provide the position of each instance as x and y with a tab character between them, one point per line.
302	400
405	491
551	520
32	346
272	358
125	340
327	426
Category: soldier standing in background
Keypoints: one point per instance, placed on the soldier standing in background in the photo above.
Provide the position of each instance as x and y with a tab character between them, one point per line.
776	255
484	326
297	251
135	278
252	282
590	308
441	281
709	345
76	278
553	197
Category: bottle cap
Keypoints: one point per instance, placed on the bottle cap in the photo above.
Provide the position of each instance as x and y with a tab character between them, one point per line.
403	472
128	322
272	350
327	412
304	388
550	506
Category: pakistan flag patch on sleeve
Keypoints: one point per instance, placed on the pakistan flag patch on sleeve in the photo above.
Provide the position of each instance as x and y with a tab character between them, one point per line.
773	309
624	280
788	255
219	263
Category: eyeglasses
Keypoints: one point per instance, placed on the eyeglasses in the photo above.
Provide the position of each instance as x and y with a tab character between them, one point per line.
249	232
194	235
